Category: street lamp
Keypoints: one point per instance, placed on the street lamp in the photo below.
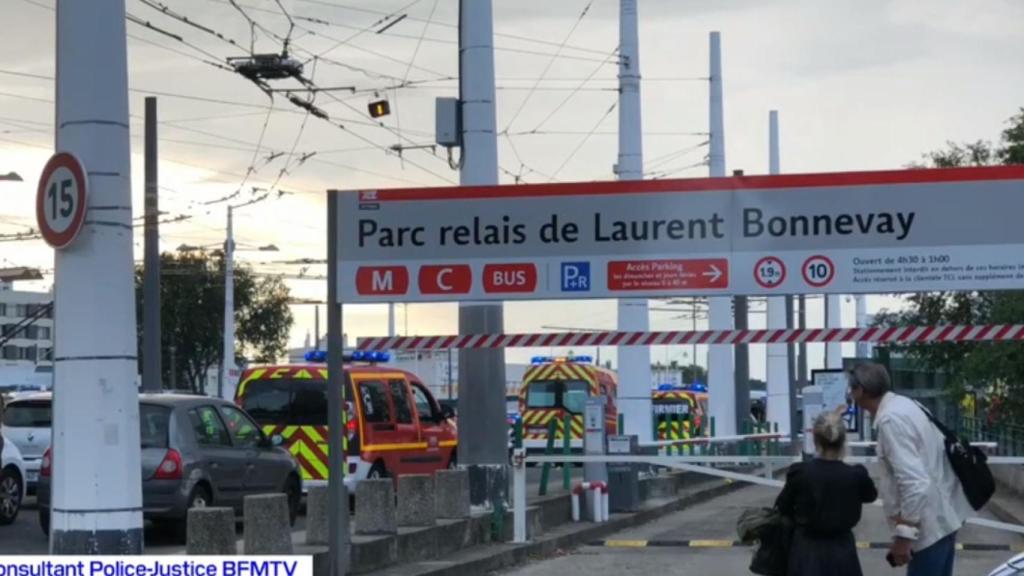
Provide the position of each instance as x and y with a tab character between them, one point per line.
11	177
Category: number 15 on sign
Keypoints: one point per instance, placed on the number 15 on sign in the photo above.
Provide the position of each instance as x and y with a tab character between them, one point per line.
61	200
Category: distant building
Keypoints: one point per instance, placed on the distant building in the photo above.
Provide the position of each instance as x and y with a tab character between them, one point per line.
26	352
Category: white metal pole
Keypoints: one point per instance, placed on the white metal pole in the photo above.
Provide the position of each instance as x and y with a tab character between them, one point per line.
96	493
778	357
634	361
834	314
483	446
519	496
863	348
228	366
721	385
391	318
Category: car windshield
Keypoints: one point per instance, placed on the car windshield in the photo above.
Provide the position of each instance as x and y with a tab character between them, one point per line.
568	394
28	414
298	402
154	425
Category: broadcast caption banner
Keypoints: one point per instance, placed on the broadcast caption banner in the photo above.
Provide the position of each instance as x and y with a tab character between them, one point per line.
865	232
156	566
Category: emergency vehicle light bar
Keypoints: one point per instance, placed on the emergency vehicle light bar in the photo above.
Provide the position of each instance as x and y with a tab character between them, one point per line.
551	359
372	356
687	387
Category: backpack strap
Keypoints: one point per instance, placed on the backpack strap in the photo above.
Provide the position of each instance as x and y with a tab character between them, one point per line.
946	432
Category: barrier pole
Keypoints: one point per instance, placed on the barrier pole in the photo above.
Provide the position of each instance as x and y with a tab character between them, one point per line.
567	450
713	449
548	450
519	495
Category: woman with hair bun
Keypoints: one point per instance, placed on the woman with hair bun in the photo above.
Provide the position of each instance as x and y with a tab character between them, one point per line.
823	497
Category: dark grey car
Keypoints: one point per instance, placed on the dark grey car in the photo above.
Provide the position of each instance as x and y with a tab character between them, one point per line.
196	452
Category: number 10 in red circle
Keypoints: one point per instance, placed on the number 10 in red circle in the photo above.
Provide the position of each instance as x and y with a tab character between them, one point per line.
818	271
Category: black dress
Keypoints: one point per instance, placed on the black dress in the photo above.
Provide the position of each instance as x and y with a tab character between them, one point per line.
824	499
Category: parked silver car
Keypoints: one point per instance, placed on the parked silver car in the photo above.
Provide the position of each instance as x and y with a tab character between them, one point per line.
26	423
197	452
12	482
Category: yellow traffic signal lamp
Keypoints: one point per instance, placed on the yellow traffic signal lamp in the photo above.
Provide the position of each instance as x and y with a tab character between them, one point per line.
380	108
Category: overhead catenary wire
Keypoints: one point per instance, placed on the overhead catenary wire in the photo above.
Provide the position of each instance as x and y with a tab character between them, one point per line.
540	41
163	8
369	28
251	169
547	67
150	26
551	114
669	157
584	140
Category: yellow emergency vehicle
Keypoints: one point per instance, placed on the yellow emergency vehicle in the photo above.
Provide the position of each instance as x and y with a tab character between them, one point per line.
554	387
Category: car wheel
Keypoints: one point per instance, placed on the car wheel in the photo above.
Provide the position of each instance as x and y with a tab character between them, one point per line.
377	472
199	498
11	491
294	494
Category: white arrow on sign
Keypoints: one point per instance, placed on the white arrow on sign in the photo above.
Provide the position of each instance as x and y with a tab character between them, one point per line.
715	273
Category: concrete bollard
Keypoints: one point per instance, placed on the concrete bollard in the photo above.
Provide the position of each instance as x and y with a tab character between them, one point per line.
210	532
416	504
267	526
375	507
316	516
451	492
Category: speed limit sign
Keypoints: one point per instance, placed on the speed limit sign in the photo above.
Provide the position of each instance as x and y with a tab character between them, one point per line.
818	271
60	199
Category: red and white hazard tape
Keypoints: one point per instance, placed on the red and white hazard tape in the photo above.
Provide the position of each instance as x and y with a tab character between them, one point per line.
880	335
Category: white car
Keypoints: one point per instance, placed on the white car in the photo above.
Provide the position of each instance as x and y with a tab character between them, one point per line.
27	424
1013	567
12	483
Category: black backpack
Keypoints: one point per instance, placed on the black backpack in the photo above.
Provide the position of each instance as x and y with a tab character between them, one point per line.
969	464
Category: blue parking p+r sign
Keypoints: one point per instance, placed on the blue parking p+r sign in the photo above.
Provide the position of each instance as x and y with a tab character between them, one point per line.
575	276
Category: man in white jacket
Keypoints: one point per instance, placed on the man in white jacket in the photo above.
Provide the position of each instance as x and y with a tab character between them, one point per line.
922	496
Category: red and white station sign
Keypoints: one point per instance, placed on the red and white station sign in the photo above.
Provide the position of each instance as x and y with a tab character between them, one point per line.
861	232
61	199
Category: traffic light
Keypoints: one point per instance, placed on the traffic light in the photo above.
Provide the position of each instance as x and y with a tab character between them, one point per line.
379	108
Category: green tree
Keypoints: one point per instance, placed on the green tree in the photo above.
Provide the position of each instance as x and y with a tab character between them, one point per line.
694	373
994	369
192	315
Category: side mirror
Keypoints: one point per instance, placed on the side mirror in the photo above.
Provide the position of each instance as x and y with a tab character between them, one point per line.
447	412
277	440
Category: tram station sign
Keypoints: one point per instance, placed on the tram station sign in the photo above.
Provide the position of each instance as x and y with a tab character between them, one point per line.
860	232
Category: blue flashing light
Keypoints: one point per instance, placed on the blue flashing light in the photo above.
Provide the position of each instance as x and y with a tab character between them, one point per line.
697	387
665	387
370	356
552	359
316	356
320	356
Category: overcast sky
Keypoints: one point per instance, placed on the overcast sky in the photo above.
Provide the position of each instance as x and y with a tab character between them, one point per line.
862	85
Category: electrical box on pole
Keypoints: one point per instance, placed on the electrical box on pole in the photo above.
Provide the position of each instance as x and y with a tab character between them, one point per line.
446	116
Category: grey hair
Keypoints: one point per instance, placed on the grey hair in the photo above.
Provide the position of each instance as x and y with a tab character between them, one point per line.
872	378
829	431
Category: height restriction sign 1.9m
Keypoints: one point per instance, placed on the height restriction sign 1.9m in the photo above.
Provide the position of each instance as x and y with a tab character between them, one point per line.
861	232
